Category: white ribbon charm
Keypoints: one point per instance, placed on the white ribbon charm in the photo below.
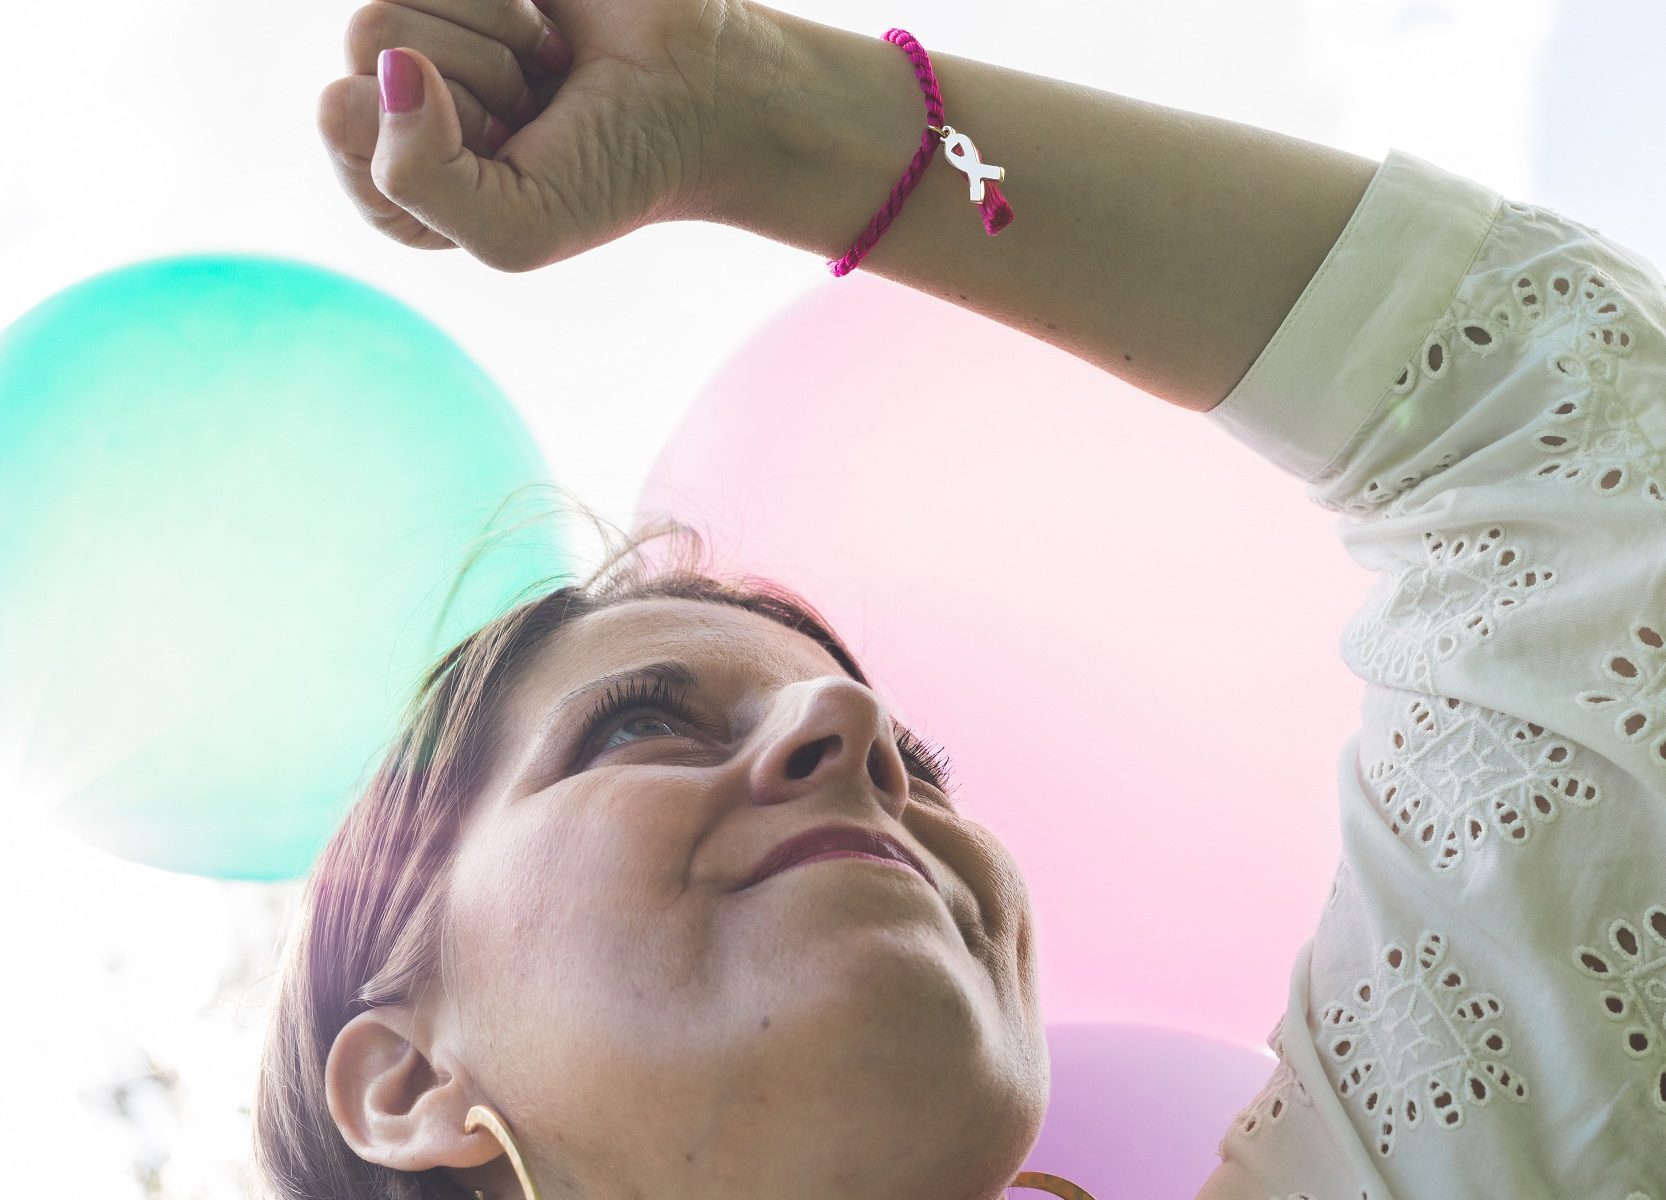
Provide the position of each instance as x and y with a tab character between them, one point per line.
967	161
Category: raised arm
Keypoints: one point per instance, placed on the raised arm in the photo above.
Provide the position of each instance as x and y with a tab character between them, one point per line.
1160	245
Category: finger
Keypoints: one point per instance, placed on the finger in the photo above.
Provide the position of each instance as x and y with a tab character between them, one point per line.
521	25
349	115
348	119
486	69
422	165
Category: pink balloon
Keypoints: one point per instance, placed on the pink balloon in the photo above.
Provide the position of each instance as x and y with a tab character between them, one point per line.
1137	1112
1121	623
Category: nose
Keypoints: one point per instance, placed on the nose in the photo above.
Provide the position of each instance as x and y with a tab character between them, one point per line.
837	733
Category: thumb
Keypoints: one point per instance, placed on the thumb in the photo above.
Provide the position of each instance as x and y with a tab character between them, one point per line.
420	162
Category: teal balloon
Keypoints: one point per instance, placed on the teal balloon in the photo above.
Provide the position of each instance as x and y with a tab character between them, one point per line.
235	494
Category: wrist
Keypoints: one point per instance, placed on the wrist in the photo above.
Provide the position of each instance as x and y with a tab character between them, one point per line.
816	125
751	69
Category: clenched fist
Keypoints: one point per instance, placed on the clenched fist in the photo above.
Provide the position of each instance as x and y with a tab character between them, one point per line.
536	134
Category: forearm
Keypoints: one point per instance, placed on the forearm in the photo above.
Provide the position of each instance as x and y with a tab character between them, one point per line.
1160	245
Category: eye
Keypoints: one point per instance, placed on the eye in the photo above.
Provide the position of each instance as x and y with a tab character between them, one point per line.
633	701
618	726
927	761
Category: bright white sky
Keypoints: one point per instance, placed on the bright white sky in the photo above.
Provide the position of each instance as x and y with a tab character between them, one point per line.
185	126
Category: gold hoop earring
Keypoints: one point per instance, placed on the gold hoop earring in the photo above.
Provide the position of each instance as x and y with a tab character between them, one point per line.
1057	1184
482	1117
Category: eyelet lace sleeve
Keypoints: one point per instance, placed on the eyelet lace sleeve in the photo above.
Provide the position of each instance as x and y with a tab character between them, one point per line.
1477	388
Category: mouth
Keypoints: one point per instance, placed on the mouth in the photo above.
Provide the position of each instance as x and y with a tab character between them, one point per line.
826	839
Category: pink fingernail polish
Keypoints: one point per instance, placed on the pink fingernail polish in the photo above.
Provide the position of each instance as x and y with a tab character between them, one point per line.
553	53
400	79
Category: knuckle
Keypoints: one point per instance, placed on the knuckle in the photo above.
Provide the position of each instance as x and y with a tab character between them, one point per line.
507	67
392	178
333	105
370	30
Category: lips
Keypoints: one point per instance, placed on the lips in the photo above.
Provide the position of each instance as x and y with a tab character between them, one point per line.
835	837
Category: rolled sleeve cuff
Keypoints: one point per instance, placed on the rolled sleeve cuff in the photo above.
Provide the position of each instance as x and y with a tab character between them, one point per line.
1330	368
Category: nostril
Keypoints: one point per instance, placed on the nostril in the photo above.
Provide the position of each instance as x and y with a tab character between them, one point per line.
805	758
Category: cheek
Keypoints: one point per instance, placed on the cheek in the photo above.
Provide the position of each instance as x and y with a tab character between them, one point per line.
510	920
594	895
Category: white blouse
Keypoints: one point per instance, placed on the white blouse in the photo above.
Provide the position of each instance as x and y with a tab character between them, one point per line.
1478	388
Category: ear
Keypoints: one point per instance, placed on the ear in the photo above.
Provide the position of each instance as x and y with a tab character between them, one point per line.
393	1104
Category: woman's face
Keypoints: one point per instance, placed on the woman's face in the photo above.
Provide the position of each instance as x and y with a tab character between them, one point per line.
646	1024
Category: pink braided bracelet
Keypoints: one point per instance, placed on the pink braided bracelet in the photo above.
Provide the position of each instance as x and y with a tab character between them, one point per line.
997	213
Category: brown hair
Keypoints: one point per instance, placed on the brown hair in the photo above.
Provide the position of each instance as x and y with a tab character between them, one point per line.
371	925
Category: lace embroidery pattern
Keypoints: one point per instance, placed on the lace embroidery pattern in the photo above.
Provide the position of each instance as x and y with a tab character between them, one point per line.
1593	435
1273	1101
1459	773
1413	1045
1639	676
1633	974
1424	613
1377	493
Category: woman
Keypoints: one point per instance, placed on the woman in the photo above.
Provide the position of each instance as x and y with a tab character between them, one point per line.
554	902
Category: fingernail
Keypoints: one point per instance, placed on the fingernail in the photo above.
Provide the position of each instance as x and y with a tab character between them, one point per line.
497	133
400	79
553	53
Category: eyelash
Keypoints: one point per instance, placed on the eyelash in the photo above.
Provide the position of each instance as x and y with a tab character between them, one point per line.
929	761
